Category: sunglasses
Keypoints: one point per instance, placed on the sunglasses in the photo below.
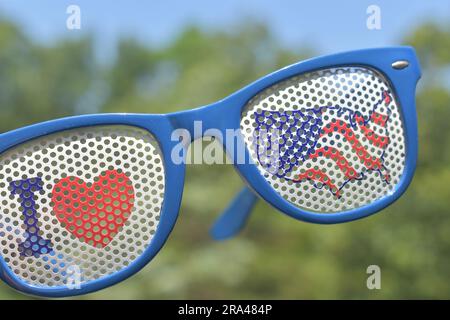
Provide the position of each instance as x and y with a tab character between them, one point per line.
87	201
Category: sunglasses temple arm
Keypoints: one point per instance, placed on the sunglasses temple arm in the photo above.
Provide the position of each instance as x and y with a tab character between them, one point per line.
235	216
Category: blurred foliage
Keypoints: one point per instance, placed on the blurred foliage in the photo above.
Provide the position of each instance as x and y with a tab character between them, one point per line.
275	257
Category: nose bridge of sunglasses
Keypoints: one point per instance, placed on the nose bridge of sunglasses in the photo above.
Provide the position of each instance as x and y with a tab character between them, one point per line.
198	122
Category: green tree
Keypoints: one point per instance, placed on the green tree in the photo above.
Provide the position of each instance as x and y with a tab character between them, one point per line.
40	83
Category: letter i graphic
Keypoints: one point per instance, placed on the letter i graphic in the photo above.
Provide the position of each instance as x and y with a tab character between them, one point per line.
34	244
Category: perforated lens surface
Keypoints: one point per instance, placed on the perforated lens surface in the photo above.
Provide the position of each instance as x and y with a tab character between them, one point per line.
80	204
329	140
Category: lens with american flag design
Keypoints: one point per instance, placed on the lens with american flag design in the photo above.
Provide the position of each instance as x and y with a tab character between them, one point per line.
329	140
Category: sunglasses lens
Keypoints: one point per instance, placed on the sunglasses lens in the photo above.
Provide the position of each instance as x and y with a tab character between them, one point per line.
329	140
80	204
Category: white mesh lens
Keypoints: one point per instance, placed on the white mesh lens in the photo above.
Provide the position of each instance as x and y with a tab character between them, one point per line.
329	140
79	204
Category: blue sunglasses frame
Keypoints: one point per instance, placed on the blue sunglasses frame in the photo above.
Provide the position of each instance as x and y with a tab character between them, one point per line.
222	115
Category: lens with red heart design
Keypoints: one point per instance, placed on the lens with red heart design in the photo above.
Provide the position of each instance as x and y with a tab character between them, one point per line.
89	197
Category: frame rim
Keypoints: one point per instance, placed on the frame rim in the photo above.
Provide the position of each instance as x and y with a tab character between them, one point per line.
403	84
158	126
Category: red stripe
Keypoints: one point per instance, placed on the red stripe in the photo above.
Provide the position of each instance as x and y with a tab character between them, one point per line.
318	175
387	97
338	158
379	119
342	128
378	140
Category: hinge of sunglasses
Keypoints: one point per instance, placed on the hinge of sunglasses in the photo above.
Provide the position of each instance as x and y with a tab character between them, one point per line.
400	64
235	216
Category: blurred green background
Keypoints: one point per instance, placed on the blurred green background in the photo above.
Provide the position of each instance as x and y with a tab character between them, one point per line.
275	256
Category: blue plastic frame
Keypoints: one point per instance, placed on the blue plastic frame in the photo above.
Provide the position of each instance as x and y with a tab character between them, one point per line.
222	115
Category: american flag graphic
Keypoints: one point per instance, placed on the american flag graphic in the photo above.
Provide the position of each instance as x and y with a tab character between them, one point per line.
328	146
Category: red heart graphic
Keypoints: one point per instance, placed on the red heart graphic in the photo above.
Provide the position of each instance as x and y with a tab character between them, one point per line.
94	214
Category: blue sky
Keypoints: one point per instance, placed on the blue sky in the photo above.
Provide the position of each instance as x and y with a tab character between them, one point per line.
329	26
